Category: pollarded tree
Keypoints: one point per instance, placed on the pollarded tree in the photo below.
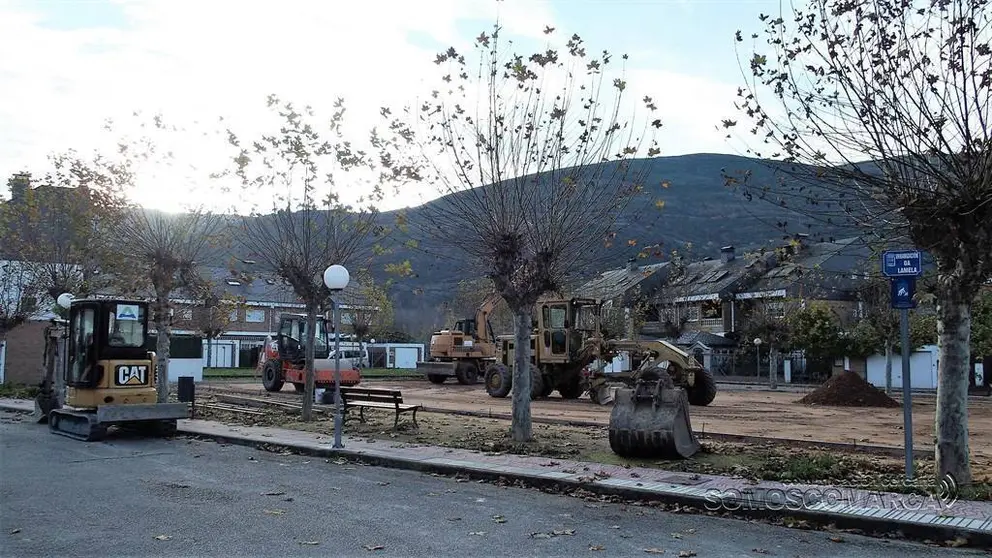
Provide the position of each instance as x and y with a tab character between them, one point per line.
533	158
306	224
163	251
880	111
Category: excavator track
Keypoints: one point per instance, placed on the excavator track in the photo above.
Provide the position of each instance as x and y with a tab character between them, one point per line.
77	425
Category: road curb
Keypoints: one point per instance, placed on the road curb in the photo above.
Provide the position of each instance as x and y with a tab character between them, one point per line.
872	521
907	524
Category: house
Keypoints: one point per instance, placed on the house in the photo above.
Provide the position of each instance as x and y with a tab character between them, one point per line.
253	306
701	295
622	290
822	271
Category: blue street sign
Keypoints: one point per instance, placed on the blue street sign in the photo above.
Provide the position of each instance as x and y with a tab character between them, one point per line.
902	263
903	289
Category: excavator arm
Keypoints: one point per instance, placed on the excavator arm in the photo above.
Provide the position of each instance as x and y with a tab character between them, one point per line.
483	329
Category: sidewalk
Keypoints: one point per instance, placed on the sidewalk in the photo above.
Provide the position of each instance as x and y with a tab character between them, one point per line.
916	516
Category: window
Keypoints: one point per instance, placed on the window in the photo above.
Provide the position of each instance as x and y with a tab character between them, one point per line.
775	309
255	316
82	353
712	310
126	326
554	317
233	317
186	314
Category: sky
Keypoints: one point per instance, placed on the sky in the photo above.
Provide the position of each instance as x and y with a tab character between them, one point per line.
66	66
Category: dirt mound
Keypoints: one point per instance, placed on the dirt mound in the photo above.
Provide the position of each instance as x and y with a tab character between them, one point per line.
848	389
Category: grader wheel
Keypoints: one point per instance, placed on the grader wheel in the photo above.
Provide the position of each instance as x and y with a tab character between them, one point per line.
498	380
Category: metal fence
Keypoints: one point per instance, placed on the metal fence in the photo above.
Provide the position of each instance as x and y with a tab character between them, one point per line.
741	363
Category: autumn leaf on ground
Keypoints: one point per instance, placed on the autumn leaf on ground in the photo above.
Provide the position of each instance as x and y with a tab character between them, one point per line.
686	553
310	543
836	539
559	533
381	483
477	533
960	541
499	519
275	512
14	531
597	547
273	493
676	536
162	537
660	204
371	547
759	551
654	551
540	536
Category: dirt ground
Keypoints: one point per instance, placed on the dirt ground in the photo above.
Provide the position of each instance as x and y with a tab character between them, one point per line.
762	461
768	414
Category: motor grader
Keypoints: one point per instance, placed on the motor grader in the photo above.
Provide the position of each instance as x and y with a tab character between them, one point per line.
464	350
568	354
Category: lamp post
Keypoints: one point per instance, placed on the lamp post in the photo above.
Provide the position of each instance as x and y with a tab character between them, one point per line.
336	278
757	352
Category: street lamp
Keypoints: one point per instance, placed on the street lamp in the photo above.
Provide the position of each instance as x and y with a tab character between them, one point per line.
757	352
336	278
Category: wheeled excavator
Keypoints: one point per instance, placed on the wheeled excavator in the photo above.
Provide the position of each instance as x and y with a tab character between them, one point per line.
650	417
108	375
463	351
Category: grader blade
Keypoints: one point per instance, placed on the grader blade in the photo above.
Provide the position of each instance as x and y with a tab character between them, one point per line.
652	421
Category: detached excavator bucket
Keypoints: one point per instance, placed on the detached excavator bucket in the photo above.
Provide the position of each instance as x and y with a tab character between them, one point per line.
652	421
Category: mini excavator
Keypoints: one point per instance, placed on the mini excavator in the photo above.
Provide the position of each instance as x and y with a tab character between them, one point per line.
109	376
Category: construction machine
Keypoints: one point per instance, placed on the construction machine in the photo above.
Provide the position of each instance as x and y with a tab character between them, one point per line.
283	359
464	350
108	375
650	417
569	354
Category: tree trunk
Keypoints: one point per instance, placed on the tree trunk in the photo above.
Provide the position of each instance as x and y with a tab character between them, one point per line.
521	428
954	336
210	346
308	375
888	366
163	329
772	367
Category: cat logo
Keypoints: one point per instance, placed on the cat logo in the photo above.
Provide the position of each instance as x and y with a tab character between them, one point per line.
131	375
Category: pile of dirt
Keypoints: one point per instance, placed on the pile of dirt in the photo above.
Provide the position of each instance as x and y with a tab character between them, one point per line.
848	389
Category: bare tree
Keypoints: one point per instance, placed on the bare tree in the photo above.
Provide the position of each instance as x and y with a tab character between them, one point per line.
670	302
535	165
880	110
163	252
308	225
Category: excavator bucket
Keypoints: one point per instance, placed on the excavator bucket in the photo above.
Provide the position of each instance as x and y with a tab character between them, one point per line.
651	420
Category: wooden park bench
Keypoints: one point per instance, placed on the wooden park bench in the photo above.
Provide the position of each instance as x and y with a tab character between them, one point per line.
372	398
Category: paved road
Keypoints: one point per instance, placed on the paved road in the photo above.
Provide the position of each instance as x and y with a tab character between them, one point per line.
69	498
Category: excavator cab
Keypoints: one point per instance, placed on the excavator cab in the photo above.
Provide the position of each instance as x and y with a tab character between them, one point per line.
109	376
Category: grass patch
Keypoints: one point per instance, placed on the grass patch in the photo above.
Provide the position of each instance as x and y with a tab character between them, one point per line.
18	391
228	372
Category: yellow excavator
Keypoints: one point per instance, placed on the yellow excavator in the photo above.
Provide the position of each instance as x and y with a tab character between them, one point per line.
463	351
109	377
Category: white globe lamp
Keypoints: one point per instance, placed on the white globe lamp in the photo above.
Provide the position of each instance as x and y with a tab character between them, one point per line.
64	300
336	277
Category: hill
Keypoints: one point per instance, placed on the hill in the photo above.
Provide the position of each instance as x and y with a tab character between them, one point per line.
699	208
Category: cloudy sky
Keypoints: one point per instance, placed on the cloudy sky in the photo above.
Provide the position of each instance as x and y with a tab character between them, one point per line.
67	65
